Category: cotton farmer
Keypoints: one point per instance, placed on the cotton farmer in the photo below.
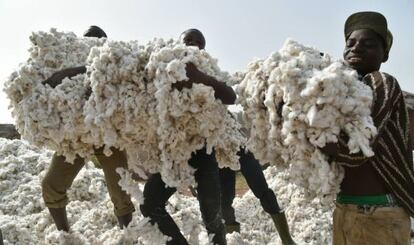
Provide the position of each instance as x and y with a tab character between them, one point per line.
252	172
377	193
156	193
61	174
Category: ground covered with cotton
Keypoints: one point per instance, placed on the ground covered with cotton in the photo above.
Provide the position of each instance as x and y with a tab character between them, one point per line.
25	220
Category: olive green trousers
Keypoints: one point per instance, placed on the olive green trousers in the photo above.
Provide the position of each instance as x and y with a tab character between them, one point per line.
61	174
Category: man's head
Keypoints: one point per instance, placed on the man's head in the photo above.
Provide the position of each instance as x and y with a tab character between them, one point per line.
94	31
368	41
193	37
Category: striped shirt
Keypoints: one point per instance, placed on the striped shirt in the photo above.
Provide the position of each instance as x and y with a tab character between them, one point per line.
393	159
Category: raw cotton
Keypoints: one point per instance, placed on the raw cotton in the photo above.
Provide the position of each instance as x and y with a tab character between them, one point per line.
192	118
120	110
298	100
124	100
45	116
25	220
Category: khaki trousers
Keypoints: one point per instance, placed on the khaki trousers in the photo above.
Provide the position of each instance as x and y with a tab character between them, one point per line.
371	226
61	174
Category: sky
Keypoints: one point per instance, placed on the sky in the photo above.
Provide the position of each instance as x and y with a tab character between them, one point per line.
236	31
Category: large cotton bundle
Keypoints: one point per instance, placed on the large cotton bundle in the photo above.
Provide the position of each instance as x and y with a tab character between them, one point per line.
296	101
120	110
124	100
45	116
125	109
192	118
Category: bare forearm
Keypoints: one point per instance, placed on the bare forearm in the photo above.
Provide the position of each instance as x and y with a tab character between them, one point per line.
58	76
71	72
221	90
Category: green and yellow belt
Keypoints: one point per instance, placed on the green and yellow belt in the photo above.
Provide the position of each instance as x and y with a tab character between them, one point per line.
386	200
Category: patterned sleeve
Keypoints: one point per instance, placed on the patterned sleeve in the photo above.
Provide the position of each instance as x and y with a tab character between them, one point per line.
386	94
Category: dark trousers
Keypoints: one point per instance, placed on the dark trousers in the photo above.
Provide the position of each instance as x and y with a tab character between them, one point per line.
156	195
252	172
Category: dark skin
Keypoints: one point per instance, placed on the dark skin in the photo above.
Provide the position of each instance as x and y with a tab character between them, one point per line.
221	90
364	52
193	37
58	76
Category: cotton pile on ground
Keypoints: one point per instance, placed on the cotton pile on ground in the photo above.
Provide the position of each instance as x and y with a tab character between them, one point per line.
296	101
24	219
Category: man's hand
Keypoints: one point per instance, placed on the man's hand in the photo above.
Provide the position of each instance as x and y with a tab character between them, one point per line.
330	149
182	84
55	79
193	74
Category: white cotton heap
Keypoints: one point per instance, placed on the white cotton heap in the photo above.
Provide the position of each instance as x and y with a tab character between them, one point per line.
123	101
310	221
192	118
298	100
52	117
25	220
120	110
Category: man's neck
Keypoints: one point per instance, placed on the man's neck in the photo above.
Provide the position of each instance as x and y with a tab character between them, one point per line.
363	74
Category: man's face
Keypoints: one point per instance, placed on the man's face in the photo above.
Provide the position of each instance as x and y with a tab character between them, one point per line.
364	51
193	38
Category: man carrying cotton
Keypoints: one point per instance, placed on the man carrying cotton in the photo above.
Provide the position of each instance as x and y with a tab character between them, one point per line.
251	170
377	193
156	193
61	173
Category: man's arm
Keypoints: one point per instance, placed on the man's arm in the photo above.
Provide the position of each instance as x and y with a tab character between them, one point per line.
58	76
386	93
221	91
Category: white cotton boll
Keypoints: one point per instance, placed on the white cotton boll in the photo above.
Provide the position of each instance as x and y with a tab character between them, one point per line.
177	70
129	185
321	97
